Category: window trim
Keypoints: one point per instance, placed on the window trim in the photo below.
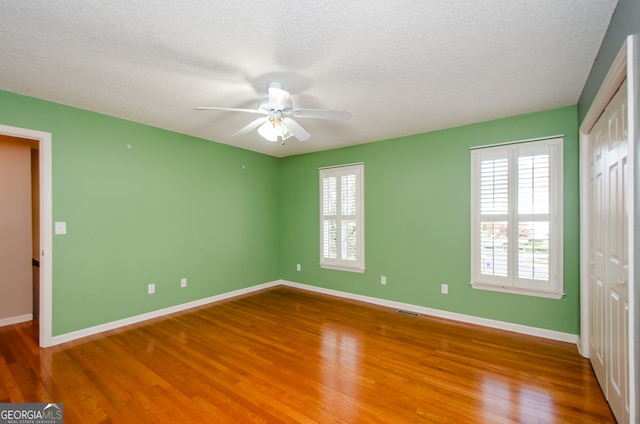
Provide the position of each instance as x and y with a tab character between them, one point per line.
342	264
556	218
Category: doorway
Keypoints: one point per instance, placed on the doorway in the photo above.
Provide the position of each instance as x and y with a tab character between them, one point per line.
20	229
40	142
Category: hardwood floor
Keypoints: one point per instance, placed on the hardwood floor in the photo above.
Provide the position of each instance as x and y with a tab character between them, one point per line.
289	356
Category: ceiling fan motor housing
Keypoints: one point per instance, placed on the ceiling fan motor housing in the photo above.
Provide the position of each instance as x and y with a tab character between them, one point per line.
265	106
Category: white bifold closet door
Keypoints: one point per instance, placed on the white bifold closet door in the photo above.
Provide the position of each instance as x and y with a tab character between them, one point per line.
609	253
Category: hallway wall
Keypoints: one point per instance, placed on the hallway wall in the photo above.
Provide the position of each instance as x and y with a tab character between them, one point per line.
15	228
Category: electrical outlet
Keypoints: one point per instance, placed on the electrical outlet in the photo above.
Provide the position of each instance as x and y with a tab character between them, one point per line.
383	280
298	267
444	288
183	282
151	289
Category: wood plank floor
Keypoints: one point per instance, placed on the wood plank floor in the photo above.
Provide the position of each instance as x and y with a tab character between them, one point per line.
289	356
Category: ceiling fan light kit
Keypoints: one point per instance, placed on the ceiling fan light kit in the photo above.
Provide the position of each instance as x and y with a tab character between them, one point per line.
273	129
276	124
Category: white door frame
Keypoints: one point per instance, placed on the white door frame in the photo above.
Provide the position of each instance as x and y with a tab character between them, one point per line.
46	225
626	65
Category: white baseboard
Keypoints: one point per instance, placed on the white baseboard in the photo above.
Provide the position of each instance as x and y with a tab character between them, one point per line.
15	320
67	337
516	328
501	325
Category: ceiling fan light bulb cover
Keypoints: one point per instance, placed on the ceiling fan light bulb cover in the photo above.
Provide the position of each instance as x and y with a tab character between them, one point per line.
274	129
267	131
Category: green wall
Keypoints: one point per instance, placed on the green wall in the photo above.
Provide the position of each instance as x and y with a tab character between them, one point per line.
172	206
417	219
176	206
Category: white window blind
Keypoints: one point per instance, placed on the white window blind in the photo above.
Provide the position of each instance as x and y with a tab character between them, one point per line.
342	218
517	218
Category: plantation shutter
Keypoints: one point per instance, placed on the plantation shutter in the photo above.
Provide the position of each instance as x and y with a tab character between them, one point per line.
342	218
494	212
517	218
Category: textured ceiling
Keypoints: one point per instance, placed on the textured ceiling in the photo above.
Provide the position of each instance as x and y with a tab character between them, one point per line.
401	67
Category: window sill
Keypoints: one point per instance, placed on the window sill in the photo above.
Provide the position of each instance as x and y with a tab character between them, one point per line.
342	268
515	290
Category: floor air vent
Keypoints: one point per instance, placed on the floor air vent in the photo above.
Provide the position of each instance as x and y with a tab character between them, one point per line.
408	313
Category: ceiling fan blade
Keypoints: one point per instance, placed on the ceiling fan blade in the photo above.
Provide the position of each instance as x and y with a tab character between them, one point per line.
296	129
278	98
251	126
321	114
230	109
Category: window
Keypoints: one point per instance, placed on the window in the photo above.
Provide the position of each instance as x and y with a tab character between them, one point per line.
516	218
342	218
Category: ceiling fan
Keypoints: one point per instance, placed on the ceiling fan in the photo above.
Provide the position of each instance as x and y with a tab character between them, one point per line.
277	109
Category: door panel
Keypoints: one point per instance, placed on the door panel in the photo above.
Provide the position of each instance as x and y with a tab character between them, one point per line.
617	271
597	224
